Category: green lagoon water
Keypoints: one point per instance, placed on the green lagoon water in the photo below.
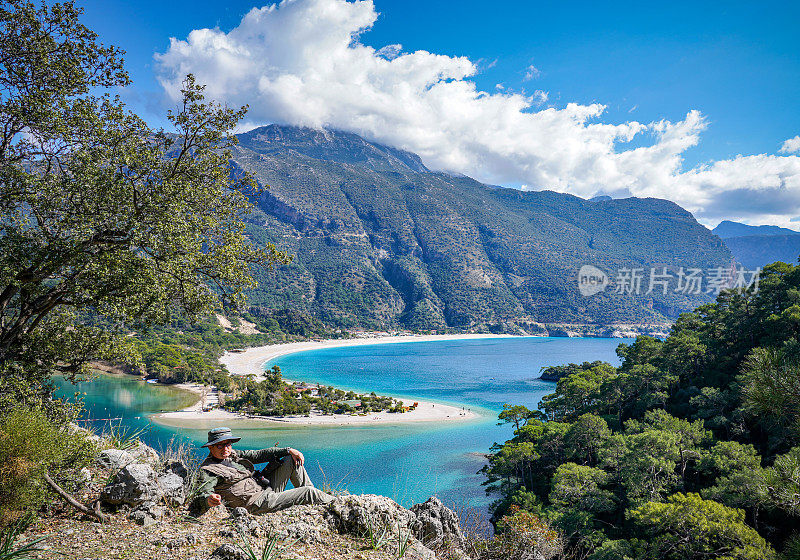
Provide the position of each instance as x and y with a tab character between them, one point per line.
408	462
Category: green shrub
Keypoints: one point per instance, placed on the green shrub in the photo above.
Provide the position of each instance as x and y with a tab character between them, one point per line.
31	445
522	536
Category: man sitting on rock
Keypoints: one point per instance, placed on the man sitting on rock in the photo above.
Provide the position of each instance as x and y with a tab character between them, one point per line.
230	477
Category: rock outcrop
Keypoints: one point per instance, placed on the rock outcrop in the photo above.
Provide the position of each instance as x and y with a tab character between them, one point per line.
133	485
354	516
114	459
139	485
149	492
360	514
144	454
173	488
432	524
147	513
436	525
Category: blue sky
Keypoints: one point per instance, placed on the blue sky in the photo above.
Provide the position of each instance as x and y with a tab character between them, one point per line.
737	64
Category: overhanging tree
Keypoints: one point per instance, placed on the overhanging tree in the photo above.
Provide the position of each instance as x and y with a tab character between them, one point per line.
104	221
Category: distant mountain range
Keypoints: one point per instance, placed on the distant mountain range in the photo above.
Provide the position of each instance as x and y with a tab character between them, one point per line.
727	229
381	241
758	246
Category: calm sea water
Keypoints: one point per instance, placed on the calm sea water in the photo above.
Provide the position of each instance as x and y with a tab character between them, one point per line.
406	462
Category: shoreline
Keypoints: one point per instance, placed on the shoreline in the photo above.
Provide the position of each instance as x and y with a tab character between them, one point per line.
253	360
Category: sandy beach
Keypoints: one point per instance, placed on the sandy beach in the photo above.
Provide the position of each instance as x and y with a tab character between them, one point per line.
252	361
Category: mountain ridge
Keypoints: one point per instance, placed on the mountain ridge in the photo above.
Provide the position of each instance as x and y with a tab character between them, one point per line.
727	229
383	241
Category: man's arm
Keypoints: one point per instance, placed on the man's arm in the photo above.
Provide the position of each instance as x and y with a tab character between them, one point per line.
205	487
257	456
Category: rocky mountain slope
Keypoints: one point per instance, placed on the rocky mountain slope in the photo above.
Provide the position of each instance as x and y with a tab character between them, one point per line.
381	241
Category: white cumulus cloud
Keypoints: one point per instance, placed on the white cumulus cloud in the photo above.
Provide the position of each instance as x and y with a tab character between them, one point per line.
791	146
301	62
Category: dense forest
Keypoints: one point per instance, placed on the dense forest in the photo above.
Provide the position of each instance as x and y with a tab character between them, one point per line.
689	449
188	351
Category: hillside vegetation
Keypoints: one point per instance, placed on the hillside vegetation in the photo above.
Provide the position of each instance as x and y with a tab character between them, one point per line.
184	351
379	240
689	449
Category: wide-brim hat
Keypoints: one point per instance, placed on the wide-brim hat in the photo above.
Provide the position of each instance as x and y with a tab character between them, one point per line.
218	435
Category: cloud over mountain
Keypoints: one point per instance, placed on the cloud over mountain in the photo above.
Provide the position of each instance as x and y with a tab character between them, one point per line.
301	63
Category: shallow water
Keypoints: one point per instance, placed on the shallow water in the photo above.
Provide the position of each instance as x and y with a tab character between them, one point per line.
408	462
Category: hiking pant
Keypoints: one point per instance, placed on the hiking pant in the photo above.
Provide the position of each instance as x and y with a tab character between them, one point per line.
277	497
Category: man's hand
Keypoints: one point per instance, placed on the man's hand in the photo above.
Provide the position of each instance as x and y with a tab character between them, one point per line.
298	457
214	500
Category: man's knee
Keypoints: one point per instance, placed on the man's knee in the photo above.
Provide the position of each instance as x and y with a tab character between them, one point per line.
289	465
316	496
310	495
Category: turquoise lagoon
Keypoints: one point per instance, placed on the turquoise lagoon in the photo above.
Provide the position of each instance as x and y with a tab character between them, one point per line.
408	462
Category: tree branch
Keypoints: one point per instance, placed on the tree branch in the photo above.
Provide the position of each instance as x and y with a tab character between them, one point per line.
72	501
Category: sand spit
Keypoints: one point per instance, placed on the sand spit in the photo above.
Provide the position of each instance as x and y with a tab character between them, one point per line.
253	360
